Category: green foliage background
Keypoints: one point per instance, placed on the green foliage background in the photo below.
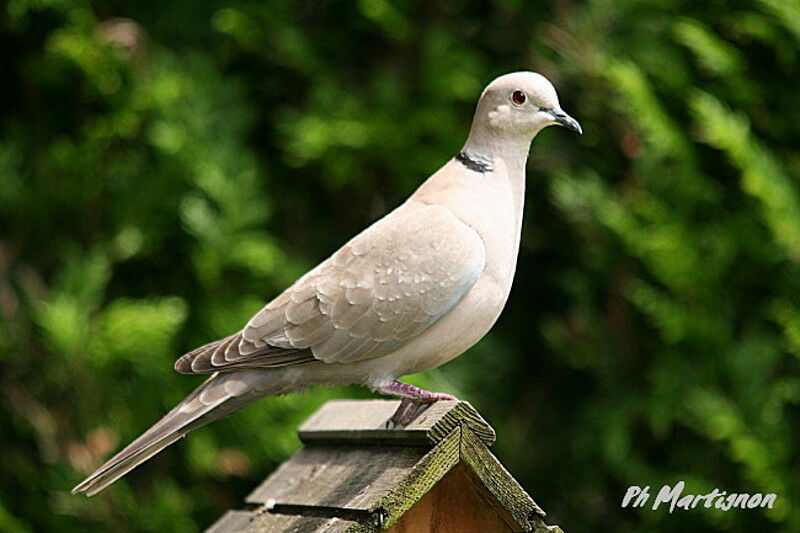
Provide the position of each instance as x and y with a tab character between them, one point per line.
162	177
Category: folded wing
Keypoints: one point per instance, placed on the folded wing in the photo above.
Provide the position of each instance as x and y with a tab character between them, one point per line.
377	293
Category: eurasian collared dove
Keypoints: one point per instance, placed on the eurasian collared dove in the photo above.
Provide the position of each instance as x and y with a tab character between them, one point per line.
411	292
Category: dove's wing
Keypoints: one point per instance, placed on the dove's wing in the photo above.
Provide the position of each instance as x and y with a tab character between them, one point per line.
374	295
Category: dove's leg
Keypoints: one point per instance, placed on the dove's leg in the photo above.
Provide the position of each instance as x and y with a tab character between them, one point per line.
414	401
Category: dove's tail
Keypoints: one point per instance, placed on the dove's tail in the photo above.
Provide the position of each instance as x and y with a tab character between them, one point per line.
219	396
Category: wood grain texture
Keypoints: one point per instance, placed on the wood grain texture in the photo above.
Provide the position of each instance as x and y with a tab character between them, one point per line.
276	523
233	520
338	476
422	478
513	502
351	477
454	505
241	521
362	423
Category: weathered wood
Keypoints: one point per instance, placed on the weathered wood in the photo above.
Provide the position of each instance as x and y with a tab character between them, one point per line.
233	520
277	523
513	502
337	476
358	477
381	481
422	478
362	423
452	507
241	521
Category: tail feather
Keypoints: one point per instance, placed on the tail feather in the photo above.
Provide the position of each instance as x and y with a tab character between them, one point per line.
218	397
116	468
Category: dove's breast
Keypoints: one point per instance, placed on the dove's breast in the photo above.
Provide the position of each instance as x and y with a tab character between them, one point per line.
491	204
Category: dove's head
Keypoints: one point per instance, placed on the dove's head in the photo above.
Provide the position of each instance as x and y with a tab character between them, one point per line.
519	105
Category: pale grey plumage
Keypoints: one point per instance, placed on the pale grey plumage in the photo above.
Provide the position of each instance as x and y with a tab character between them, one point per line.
377	292
409	293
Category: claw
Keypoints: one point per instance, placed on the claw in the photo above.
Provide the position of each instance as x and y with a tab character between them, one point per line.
406	412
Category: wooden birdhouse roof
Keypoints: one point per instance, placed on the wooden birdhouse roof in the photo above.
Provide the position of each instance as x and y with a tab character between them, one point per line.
354	475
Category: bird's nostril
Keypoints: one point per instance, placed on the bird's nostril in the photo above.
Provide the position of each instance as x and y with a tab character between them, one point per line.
562	119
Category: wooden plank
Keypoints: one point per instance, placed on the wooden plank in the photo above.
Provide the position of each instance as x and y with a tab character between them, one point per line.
338	476
511	498
239	521
362	422
425	475
276	523
454	505
232	521
358	477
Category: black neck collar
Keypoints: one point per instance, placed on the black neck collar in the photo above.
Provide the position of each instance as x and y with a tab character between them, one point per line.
474	162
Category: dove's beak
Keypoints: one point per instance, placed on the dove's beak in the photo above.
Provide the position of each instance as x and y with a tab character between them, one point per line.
562	119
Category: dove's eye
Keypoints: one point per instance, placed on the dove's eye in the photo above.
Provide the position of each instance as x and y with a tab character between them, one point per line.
518	97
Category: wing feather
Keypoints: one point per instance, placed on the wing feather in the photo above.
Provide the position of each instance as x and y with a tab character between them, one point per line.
377	293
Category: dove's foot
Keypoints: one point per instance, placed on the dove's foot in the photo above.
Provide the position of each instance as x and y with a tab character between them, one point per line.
406	412
414	402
